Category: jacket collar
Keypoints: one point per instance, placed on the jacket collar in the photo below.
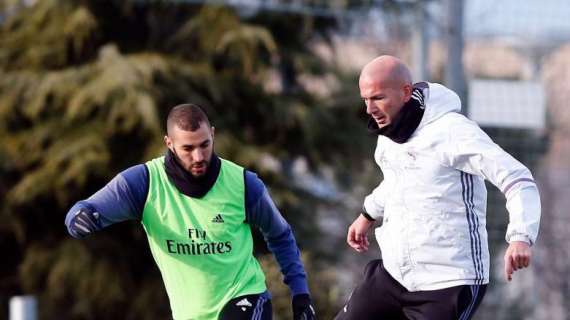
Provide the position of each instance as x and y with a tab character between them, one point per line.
188	184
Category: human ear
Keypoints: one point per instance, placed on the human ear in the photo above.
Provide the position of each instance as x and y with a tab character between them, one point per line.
168	142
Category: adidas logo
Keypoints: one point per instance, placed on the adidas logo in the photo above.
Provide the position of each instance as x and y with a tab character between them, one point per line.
419	97
244	303
218	219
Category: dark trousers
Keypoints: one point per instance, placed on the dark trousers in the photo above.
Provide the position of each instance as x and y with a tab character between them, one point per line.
381	297
248	307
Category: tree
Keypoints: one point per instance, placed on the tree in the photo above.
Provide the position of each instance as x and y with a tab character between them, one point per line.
84	88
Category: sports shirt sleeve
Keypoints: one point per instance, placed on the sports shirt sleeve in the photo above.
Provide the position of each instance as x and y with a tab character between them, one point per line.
374	202
472	151
262	213
122	199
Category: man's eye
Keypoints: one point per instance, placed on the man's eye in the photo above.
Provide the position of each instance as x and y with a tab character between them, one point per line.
373	99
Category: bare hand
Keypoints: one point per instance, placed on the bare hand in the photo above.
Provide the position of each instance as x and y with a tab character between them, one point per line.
357	234
516	257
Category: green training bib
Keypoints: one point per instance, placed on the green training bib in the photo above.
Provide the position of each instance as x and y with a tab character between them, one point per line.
202	246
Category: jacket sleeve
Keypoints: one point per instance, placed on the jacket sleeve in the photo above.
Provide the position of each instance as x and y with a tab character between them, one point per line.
374	202
470	150
262	213
122	199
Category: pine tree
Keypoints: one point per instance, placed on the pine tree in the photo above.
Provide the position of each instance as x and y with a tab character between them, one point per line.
85	86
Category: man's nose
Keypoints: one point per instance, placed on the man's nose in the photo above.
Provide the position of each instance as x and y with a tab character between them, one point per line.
197	155
369	106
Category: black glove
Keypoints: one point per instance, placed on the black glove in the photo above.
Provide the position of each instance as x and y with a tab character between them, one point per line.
303	308
83	223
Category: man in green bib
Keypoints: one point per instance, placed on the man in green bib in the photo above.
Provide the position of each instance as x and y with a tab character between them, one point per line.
197	210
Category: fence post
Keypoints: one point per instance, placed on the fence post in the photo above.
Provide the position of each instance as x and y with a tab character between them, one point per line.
23	308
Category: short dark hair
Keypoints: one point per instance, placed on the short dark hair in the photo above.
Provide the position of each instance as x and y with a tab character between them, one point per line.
187	117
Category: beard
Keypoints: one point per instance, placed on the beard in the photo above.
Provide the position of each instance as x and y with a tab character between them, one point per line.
196	169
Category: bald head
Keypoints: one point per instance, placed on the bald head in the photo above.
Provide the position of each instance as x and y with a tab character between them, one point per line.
388	71
385	86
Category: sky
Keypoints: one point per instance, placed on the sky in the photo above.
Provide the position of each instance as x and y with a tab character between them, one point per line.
546	19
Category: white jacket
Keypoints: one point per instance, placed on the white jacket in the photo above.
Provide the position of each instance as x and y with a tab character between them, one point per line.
433	198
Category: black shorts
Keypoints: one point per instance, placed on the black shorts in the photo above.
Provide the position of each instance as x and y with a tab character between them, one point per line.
248	307
381	297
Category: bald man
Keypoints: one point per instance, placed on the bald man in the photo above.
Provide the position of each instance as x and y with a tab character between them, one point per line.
432	202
